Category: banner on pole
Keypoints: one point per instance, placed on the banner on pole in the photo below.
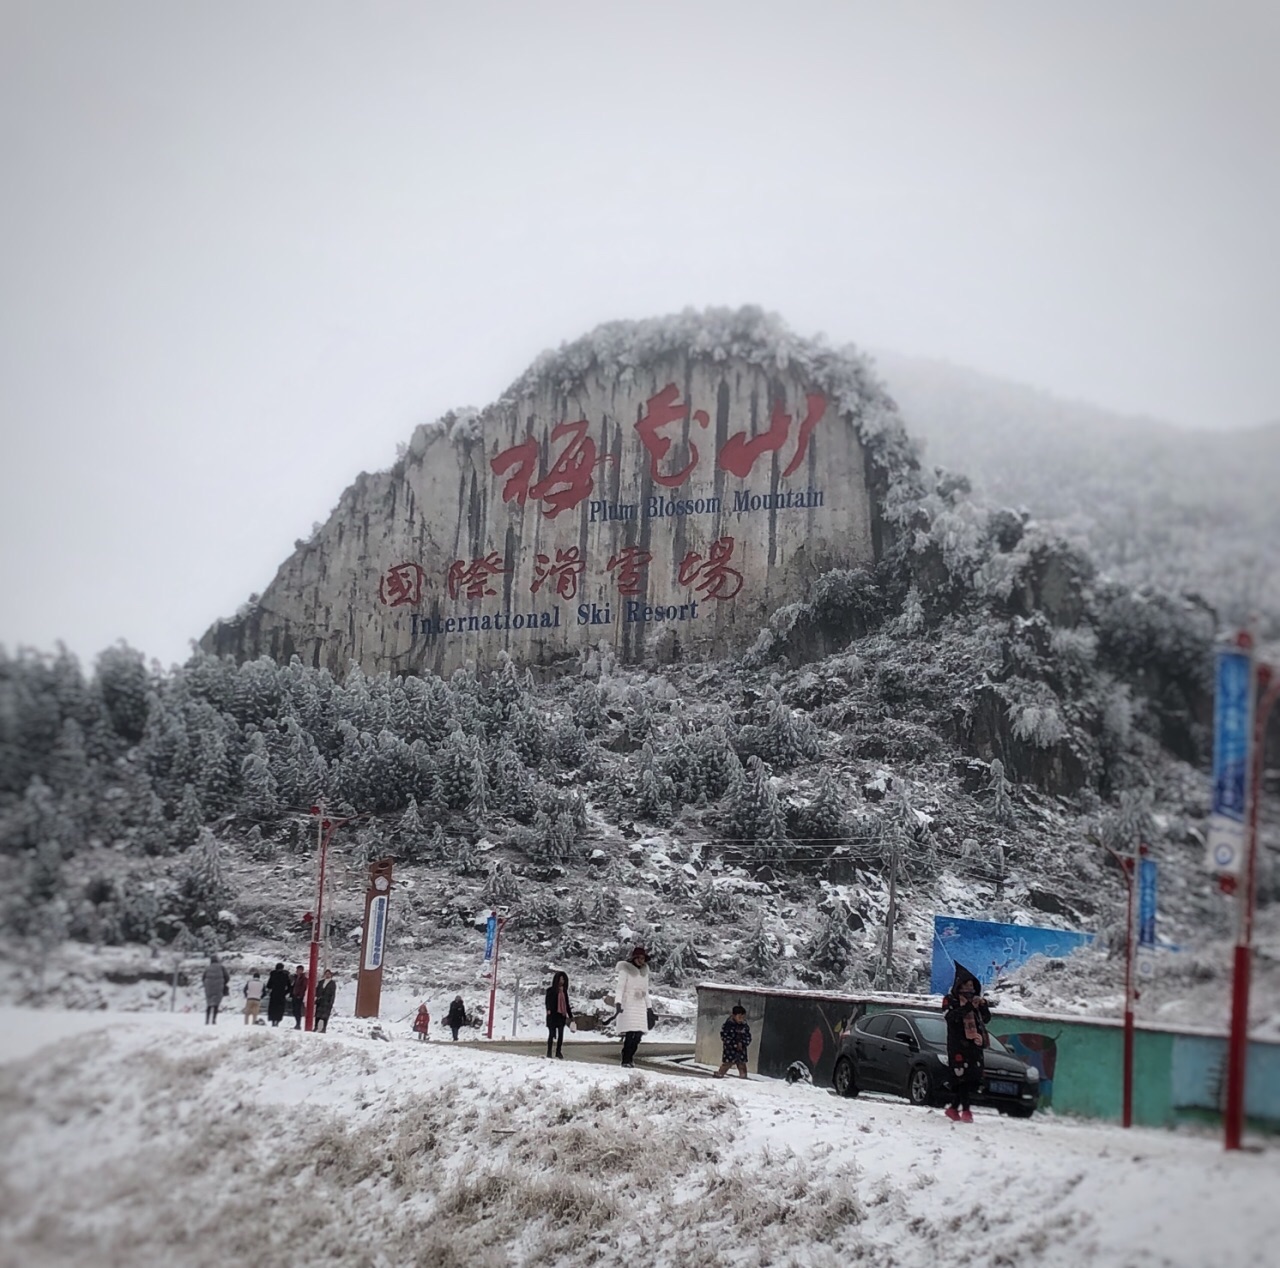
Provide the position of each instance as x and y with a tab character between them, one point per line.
1147	902
490	939
1232	727
377	900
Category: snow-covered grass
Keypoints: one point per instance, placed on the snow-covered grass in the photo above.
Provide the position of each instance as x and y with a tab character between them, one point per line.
151	1139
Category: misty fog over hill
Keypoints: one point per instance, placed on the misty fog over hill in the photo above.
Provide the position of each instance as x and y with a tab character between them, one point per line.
1190	510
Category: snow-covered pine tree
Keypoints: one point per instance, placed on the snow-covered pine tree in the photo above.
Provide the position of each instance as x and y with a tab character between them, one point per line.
438	849
412	836
1001	801
587	707
202	886
756	817
259	798
760	954
529	734
456	770
568	744
825	819
501	886
189	819
124	684
638	721
832	948
43	877
480	796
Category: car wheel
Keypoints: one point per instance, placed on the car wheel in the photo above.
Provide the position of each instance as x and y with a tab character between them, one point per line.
843	1079
1019	1111
919	1087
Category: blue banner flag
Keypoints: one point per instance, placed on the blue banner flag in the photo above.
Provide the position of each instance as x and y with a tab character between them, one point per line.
490	937
1147	902
1232	730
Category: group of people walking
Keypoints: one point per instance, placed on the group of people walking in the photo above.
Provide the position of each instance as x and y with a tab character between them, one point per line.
283	991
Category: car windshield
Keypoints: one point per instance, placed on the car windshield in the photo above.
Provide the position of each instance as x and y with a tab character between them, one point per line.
933	1030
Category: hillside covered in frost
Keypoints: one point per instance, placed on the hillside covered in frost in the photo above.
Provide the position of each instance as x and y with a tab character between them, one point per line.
977	720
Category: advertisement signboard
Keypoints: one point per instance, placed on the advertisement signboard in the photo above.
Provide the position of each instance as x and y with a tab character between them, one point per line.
991	949
377	901
1232	727
490	939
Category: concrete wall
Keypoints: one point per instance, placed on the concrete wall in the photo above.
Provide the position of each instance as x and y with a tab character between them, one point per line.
663	511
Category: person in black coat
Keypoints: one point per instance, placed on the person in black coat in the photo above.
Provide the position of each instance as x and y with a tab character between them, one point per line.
326	992
559	1013
967	1013
277	993
456	1017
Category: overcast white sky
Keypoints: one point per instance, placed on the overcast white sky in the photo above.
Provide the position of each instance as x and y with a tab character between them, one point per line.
245	247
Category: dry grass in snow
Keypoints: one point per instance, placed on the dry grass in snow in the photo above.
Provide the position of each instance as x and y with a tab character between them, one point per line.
171	1144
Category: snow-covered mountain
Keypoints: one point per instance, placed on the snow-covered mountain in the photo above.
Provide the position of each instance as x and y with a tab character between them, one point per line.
1154	503
981	718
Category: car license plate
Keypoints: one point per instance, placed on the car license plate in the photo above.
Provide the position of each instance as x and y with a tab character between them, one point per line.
1002	1087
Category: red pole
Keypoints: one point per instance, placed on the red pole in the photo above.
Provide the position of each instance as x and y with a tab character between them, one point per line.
1126	1110
1129	866
1238	1043
493	980
323	833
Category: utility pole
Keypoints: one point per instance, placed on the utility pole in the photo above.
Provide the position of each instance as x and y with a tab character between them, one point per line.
891	918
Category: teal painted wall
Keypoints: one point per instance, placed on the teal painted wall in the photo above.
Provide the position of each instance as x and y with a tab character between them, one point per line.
1176	1077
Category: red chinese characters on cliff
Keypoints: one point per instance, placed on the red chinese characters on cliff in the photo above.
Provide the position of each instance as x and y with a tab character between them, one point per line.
741	452
474	579
565	572
401	586
712	576
569	480
660	410
630	563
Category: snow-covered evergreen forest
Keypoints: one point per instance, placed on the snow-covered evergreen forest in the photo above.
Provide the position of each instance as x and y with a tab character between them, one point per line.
978	720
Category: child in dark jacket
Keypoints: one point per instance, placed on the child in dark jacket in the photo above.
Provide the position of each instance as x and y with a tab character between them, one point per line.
735	1035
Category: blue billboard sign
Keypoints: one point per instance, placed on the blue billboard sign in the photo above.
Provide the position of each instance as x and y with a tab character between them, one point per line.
1147	902
990	949
1232	727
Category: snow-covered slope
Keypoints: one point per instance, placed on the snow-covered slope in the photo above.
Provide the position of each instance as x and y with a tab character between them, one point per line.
150	1142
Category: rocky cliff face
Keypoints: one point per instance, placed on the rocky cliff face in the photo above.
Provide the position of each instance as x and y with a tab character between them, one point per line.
656	490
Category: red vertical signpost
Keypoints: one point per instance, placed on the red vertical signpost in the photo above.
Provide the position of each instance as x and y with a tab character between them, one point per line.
1129	866
1264	687
377	901
492	945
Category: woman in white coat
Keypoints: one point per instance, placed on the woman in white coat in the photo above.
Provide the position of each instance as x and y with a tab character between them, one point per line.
632	998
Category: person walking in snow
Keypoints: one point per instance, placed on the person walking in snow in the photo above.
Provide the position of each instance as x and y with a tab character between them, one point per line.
422	1023
277	993
559	1013
456	1017
326	992
298	995
252	998
632	1001
217	983
967	1014
735	1035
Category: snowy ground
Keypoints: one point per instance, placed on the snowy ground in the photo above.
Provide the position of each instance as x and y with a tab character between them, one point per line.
150	1139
